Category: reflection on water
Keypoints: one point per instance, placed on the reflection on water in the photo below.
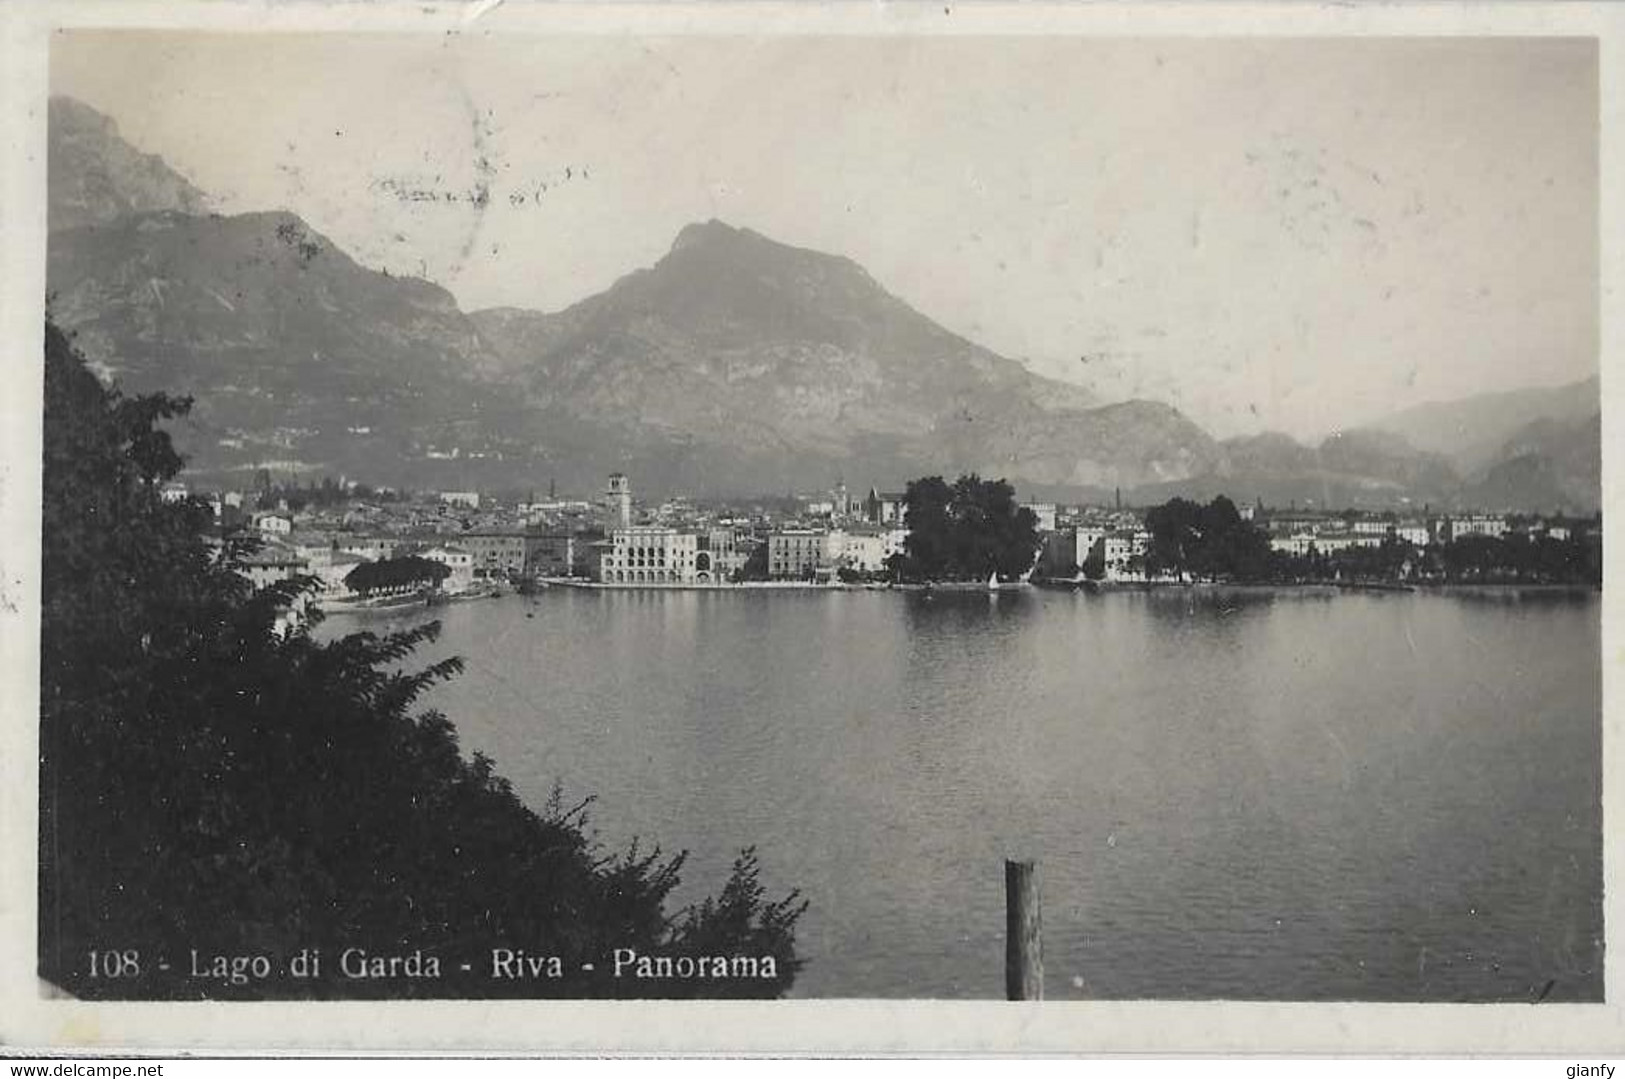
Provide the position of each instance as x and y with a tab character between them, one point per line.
1232	793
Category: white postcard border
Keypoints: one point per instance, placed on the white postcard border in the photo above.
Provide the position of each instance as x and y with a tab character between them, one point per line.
29	1019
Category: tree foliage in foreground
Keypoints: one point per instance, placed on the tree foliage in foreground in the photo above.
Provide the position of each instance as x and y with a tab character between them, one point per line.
208	784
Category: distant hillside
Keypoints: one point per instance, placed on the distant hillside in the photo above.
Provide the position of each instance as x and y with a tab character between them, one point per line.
515	336
294	353
1473	430
801	360
735	364
1547	465
94	176
1355	468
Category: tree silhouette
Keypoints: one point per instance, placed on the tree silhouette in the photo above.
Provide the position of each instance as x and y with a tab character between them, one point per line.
209	784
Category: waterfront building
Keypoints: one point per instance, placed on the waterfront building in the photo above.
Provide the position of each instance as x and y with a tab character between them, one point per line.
456	559
726	555
272	563
560	554
1122	550
497	553
1297	544
1413	532
654	554
863	550
798	553
1117	548
333	568
1333	542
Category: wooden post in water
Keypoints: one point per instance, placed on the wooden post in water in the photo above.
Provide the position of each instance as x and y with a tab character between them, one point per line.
1023	933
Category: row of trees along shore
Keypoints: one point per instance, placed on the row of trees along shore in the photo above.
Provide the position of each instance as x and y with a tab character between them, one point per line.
391	576
209	783
1214	542
971	528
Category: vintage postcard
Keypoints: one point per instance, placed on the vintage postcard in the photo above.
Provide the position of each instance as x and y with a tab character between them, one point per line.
735	528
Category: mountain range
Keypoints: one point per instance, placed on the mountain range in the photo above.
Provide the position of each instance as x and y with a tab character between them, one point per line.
735	364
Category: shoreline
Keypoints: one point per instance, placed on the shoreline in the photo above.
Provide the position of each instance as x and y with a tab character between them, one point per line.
972	588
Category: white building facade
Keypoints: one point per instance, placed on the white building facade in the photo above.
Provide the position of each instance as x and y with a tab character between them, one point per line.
655	554
456	559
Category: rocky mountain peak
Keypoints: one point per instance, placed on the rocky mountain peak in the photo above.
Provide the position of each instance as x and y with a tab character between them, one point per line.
95	176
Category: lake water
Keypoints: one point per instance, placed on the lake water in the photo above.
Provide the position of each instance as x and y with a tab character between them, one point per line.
1231	794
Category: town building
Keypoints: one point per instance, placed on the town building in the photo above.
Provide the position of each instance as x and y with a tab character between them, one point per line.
862	550
654	554
273	524
497	554
618	502
467	499
270	564
798	553
1297	544
1294	521
1045	512
1478	524
1116	549
373	548
1413	532
727	555
884	509
1332	542
456	559
557	506
309	545
842	504
333	569
560	554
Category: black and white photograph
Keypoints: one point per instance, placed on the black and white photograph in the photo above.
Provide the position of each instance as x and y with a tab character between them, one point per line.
673	514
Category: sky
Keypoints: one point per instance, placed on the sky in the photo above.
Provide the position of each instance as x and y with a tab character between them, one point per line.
1287	234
